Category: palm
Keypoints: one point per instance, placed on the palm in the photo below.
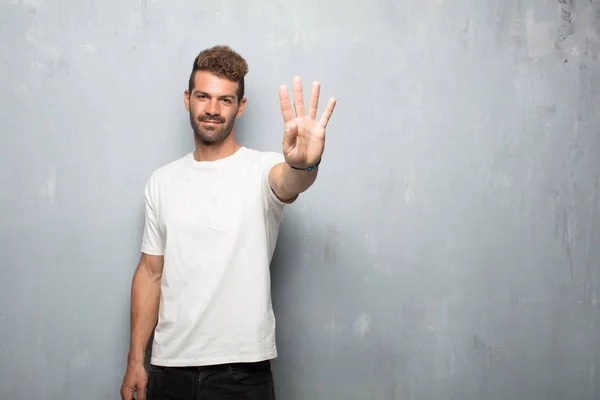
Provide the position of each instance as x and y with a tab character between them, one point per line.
304	136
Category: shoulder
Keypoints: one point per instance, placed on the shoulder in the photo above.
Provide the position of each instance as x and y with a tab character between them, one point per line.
168	171
266	159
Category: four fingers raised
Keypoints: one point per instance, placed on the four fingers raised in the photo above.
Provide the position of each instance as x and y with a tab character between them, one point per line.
286	105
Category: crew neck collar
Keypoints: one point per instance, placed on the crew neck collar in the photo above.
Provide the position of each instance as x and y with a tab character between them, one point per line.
221	162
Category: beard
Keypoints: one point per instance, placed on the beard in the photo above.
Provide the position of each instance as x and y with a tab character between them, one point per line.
211	134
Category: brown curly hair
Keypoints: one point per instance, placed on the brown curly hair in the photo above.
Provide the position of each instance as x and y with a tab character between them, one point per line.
223	62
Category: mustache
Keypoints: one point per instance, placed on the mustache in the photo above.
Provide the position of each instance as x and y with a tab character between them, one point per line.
211	118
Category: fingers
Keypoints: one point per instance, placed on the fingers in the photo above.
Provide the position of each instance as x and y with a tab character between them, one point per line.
327	113
286	106
289	137
141	393
314	100
126	393
298	97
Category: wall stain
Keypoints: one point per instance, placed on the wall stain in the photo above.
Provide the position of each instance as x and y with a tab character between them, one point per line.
566	10
567	17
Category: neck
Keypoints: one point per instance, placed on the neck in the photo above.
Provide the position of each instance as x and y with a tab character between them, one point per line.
216	151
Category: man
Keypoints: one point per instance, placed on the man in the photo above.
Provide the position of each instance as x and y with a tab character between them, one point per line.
212	219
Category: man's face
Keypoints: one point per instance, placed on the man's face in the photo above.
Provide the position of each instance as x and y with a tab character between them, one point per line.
213	107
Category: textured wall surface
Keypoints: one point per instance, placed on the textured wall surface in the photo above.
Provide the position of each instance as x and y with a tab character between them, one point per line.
449	250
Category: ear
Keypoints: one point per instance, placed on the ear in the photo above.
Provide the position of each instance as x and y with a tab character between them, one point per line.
186	100
241	107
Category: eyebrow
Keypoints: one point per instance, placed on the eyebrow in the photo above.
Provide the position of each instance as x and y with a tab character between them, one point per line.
225	96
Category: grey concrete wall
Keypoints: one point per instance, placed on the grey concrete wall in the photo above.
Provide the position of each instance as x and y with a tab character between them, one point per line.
450	249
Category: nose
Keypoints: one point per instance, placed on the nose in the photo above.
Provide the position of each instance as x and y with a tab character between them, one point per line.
213	107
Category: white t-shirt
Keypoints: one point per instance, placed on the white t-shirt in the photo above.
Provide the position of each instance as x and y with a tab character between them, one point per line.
216	224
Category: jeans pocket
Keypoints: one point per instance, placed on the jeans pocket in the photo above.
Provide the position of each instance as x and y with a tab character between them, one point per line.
251	373
157	368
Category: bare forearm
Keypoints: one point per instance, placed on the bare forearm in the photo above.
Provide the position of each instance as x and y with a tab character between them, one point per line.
287	183
145	296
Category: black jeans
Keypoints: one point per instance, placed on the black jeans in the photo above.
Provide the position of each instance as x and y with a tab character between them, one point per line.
239	381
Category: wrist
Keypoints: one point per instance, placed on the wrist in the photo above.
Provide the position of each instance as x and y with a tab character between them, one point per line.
135	364
305	167
135	359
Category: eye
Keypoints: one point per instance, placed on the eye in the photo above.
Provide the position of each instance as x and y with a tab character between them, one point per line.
227	101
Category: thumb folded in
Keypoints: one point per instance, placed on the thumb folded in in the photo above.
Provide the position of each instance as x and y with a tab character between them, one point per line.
290	135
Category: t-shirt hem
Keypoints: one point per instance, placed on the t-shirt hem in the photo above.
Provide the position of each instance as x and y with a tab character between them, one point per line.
201	361
152	251
274	199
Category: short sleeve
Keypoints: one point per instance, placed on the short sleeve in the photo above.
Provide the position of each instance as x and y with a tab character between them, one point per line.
153	242
269	160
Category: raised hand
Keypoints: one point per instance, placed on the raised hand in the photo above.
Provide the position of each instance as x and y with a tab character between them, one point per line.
304	136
